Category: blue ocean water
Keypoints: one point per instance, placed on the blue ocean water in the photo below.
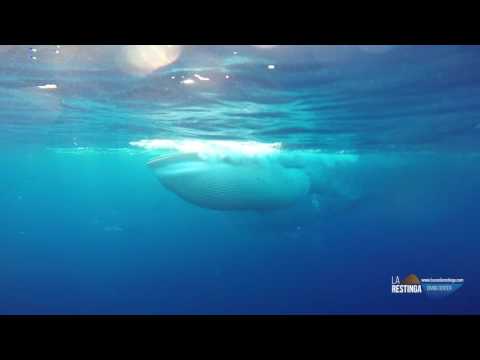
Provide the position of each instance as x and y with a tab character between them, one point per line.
391	132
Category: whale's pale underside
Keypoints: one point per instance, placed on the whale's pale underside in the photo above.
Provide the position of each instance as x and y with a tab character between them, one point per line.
226	184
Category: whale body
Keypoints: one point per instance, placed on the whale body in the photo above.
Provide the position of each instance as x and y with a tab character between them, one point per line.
231	184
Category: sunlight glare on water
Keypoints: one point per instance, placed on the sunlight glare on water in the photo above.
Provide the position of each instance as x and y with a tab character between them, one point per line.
350	98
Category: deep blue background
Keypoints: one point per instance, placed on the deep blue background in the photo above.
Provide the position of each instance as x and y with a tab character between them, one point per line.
96	233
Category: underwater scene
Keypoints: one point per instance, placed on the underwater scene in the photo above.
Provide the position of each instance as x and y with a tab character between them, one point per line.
239	179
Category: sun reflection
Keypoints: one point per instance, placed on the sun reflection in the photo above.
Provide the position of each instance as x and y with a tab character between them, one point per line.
144	59
188	81
201	78
47	86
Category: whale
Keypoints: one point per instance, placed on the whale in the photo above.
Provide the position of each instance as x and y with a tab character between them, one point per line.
229	183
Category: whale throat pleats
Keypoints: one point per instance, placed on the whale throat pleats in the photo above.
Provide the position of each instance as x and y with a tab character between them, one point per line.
222	184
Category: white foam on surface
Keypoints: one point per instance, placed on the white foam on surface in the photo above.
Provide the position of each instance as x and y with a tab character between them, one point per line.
210	147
